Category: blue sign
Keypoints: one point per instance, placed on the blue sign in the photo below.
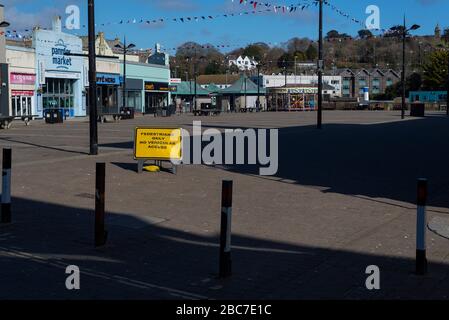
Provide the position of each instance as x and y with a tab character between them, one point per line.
108	79
58	53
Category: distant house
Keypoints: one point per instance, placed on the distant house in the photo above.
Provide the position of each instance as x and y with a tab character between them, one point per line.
377	80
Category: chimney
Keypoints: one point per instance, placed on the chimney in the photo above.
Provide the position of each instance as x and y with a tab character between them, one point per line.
57	24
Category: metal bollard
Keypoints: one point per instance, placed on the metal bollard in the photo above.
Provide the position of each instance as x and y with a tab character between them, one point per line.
6	186
100	187
225	234
421	260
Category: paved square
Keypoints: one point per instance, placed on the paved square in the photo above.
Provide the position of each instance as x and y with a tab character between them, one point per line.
343	199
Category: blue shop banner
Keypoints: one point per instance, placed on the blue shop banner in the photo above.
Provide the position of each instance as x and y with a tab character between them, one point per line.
108	78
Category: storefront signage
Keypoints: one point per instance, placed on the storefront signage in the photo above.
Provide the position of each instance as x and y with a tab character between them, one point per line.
59	55
303	90
158	144
111	79
159	86
22	78
175	80
23	93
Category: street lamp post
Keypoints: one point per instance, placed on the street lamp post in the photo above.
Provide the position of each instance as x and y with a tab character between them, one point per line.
320	69
405	31
93	125
258	88
125	49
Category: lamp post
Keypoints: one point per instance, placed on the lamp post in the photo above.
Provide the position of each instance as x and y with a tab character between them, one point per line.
4	91
93	125
320	68
125	49
405	32
258	88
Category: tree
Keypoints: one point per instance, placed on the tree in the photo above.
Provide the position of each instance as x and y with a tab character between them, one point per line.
312	52
286	61
395	31
412	83
213	67
297	44
333	34
254	51
300	56
435	70
365	34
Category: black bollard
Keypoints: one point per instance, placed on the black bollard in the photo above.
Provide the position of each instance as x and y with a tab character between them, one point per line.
6	186
421	260
100	188
225	234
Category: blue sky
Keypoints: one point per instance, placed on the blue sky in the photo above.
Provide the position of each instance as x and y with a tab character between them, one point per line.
235	31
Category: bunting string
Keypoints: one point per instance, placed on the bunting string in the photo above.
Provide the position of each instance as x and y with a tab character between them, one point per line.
23	33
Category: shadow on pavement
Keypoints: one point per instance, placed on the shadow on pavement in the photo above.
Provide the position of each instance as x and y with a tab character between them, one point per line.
145	260
378	160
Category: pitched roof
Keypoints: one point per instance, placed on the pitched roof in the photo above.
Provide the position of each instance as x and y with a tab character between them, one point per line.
240	87
218	78
213	88
187	88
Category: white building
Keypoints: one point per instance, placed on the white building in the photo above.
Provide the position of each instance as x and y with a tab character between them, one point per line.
272	81
244	63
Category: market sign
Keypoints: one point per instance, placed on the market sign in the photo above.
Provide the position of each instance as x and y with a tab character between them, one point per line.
158	144
159	86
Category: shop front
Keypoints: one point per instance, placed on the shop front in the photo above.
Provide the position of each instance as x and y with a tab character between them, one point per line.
61	75
107	93
292	98
157	96
22	93
134	89
147	87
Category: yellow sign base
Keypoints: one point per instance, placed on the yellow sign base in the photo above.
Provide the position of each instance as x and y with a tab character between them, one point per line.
152	168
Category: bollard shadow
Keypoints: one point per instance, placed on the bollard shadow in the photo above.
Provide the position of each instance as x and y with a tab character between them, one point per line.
146	259
43	146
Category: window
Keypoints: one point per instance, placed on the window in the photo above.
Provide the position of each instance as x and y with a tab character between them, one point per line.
389	82
21	106
58	94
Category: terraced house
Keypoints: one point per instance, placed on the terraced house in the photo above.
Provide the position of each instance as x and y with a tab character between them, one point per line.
377	80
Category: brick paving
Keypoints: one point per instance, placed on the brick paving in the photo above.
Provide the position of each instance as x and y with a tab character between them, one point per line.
343	199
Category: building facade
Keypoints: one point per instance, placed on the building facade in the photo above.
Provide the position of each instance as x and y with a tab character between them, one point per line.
51	71
333	82
355	82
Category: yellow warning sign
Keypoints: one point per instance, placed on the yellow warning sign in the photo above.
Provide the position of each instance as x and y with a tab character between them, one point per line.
158	144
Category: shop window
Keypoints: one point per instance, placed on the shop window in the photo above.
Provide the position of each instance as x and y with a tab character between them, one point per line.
58	94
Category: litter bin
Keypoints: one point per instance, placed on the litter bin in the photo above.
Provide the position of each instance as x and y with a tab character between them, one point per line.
48	115
418	110
53	116
127	113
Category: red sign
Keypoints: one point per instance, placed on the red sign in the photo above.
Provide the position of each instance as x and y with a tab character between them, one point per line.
22	78
23	93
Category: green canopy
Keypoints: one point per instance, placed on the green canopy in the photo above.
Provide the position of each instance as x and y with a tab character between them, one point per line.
213	88
238	88
187	88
